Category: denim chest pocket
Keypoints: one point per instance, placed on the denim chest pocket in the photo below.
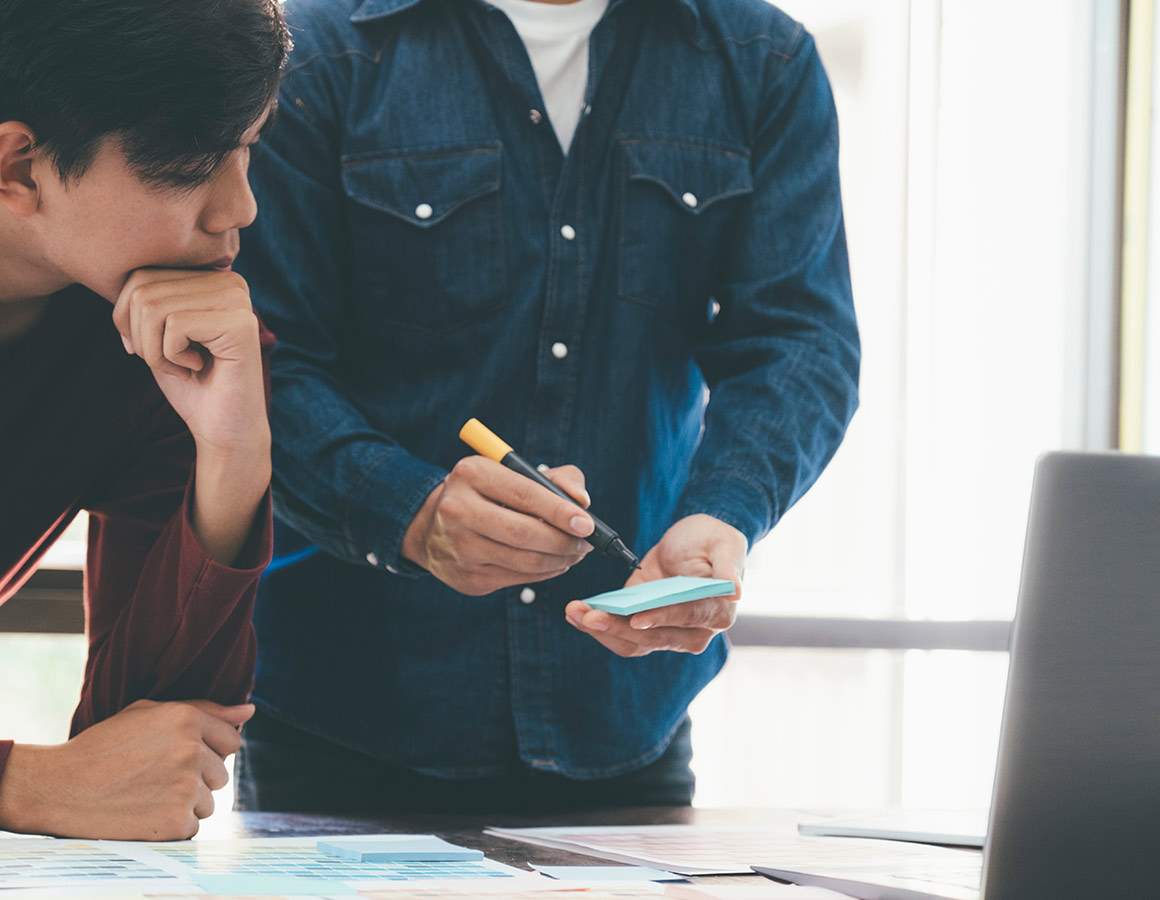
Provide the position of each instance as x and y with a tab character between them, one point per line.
678	202
426	237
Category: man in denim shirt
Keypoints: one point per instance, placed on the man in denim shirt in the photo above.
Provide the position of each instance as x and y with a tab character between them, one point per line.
431	251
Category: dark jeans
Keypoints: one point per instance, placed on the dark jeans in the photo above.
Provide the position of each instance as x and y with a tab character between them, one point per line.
283	769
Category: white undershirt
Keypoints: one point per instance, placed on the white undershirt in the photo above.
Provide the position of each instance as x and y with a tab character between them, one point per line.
556	37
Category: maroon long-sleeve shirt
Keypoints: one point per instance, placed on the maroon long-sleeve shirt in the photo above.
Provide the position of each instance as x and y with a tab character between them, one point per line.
83	426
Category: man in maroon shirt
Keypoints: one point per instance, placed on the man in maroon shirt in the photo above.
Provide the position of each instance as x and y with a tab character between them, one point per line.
131	386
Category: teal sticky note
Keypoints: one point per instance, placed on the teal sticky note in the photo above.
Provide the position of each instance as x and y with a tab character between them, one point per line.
606	873
663	592
269	885
397	848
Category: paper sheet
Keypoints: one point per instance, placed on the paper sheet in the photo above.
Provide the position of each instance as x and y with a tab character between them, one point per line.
172	867
605	873
726	850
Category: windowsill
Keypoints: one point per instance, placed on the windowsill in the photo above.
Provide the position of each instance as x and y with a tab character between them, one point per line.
50	603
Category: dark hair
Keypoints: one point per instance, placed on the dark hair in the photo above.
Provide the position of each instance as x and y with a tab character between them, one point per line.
178	82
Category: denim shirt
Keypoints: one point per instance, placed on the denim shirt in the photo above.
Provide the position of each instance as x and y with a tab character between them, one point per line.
667	306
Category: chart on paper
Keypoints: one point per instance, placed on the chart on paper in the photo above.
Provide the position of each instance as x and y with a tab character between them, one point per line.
224	867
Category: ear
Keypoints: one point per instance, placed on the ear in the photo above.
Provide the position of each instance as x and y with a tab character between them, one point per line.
19	191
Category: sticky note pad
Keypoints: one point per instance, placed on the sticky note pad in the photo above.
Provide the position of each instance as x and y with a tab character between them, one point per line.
606	873
270	886
397	848
664	592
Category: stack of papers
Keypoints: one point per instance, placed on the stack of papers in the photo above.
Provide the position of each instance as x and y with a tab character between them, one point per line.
683	849
663	592
872	870
869	869
956	828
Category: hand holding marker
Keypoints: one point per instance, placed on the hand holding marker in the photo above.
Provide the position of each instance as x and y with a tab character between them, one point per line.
486	443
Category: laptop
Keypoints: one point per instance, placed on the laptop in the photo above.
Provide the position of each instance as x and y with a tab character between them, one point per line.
1075	810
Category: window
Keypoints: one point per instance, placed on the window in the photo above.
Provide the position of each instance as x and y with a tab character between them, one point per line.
980	164
979	150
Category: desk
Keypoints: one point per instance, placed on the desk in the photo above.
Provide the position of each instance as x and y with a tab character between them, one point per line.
468	830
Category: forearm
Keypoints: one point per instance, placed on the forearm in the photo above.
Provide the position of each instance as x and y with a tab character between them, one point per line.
21	799
228	490
169	622
346	486
769	433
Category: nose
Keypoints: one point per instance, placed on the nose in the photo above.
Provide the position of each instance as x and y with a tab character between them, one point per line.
231	204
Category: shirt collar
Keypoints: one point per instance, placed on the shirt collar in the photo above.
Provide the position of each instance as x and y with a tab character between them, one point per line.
372	10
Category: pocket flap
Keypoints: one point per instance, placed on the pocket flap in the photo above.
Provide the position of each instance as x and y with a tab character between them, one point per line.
694	175
422	188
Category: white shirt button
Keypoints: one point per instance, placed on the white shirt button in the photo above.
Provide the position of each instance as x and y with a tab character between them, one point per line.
568	233
423	211
535	116
690	200
587	109
714	309
373	559
392	570
559	350
527	595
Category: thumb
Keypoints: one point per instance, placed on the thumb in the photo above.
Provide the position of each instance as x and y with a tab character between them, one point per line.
637	577
726	568
231	715
649	570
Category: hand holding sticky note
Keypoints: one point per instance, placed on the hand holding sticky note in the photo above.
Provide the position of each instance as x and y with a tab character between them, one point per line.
663	592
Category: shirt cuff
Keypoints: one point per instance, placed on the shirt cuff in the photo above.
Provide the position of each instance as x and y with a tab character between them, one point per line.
733	499
383	506
251	561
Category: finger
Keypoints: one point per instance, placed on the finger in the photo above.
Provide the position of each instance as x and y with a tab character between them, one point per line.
728	568
145	282
489	579
147	325
714	612
516	529
599	622
221	737
681	640
225	289
571	480
627	649
650	570
638	576
159	275
213	771
229	335
203	806
177	349
148	314
489	552
524	495
619	638
237	715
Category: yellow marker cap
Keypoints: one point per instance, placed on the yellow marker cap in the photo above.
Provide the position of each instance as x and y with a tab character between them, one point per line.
483	440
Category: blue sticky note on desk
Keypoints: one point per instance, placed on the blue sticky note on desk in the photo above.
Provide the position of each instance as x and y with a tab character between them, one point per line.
269	885
606	873
663	592
397	848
